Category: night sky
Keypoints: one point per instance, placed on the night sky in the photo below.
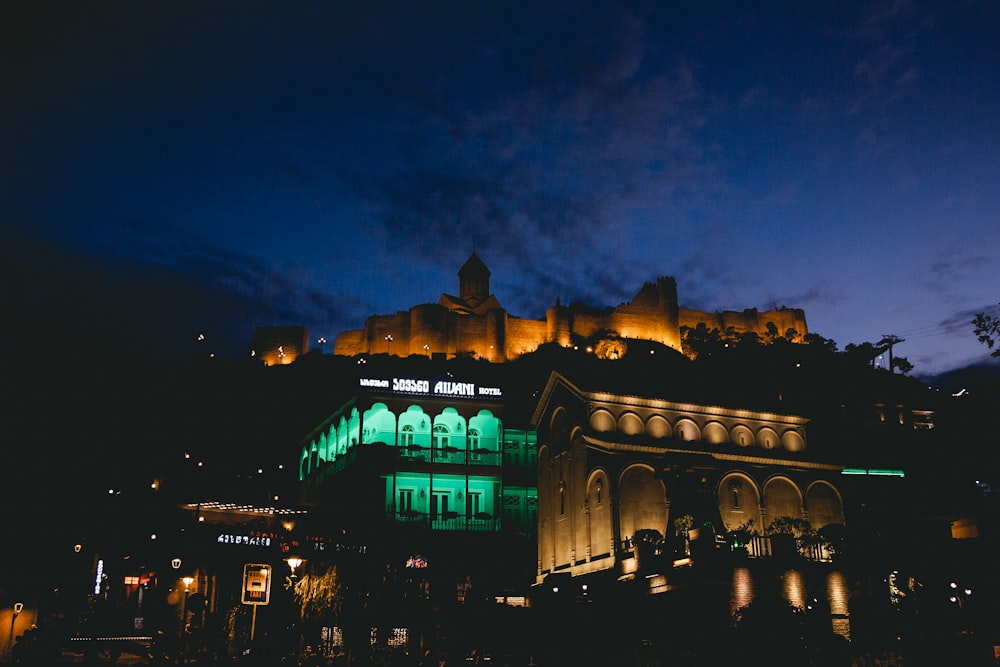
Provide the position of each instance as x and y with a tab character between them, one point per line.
174	169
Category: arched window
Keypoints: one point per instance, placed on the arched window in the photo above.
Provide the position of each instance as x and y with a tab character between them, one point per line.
562	498
473	439
440	436
406	436
600	492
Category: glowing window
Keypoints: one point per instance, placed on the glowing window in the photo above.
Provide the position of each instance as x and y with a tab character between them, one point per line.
405	500
440	435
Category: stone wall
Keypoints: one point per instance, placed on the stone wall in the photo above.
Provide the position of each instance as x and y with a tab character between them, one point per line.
492	333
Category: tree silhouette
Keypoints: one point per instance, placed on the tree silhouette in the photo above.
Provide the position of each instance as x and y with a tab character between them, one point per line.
987	329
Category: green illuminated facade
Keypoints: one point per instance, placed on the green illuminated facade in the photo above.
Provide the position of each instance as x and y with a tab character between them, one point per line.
438	450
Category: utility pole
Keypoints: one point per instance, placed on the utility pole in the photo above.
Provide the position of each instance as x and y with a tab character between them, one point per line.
888	340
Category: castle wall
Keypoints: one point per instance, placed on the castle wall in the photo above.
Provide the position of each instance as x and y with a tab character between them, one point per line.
489	332
350	343
428	327
652	315
470	335
748	320
557	326
524	336
378	327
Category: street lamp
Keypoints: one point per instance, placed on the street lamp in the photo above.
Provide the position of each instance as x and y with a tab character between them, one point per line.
18	606
293	562
388	339
959	597
187	591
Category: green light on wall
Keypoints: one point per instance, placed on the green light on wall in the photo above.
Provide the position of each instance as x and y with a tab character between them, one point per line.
879	472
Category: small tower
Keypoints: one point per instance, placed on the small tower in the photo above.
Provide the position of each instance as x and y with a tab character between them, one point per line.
473	281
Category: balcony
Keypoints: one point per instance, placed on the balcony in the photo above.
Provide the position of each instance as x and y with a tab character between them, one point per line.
484	457
482	522
415	453
450	455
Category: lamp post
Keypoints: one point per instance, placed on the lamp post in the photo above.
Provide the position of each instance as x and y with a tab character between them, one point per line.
18	606
293	563
388	340
960	596
187	591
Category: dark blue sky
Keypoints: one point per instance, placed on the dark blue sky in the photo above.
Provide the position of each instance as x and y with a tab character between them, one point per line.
170	169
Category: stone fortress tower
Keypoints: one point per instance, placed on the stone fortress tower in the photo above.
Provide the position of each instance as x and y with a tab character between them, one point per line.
474	323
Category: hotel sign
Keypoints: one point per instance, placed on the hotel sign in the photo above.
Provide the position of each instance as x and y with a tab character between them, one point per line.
447	388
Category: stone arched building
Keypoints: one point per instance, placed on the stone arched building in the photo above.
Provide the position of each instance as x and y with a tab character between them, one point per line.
617	470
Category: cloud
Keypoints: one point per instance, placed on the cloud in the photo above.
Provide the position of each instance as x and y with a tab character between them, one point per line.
886	69
553	177
155	300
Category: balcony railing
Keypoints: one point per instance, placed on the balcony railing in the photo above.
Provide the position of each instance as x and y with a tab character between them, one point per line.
484	457
450	455
451	521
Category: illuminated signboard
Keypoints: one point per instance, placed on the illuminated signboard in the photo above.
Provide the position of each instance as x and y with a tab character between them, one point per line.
447	388
252	539
256	583
99	579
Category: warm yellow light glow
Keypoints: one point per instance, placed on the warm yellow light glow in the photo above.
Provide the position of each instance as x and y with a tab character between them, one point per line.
293	563
187	582
794	588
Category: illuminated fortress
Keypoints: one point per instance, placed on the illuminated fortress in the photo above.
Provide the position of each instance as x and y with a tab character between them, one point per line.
475	324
